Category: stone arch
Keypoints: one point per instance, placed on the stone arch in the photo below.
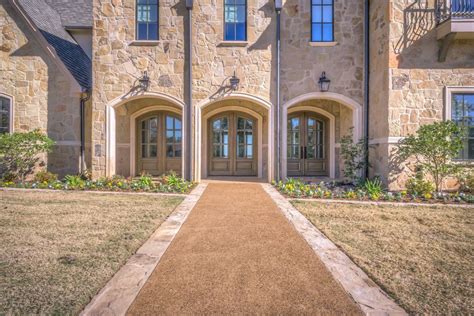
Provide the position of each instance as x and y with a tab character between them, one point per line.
115	106
200	134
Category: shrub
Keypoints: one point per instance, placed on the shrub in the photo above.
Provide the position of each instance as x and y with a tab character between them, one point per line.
354	155
45	177
418	186
374	188
434	147
19	153
74	182
466	180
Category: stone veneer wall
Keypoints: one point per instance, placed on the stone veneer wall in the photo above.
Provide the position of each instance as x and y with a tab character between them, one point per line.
42	96
118	61
416	79
303	64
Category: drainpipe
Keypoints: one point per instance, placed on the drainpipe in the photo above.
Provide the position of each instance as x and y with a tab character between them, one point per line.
189	109
366	84
84	99
278	7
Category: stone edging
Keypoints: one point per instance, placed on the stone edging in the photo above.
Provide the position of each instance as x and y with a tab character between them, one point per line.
371	299
381	203
120	292
92	191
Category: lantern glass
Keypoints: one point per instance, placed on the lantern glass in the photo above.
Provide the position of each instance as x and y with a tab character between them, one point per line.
234	82
324	82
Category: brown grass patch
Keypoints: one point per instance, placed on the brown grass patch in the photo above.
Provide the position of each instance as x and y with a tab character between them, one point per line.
422	256
58	249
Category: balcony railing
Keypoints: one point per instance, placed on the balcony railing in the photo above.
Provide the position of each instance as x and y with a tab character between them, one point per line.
454	9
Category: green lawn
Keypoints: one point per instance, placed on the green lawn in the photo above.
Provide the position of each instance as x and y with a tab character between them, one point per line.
422	256
57	249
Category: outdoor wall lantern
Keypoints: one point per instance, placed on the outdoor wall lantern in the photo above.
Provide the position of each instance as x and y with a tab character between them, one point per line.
324	82
144	81
234	82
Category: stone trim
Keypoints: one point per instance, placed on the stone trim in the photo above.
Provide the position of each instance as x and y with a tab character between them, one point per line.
371	299
385	140
233	44
323	44
144	43
120	292
93	192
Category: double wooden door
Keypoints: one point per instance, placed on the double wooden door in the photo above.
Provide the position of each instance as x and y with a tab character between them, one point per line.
159	147
306	145
232	139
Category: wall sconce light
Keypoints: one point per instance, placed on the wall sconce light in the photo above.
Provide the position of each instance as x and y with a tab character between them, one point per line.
144	81
234	82
324	82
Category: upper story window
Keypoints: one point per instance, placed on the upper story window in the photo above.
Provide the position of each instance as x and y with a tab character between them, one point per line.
322	20
147	20
462	112
5	115
235	20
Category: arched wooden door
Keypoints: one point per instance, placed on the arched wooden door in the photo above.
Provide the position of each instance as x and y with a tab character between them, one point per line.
232	139
159	147
306	145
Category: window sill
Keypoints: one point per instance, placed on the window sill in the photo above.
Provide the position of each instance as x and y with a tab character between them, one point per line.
323	44
144	43
233	44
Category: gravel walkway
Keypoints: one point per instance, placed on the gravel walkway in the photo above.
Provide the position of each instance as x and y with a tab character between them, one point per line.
236	253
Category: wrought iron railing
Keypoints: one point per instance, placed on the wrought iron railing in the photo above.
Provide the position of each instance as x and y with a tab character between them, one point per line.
454	9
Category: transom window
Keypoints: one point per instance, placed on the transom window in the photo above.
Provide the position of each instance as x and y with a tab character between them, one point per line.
235	20
173	137
462	112
147	20
322	20
5	115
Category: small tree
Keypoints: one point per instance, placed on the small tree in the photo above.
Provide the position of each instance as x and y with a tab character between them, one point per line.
434	146
19	153
353	154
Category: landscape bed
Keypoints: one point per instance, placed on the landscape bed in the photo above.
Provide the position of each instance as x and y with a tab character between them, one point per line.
59	248
422	256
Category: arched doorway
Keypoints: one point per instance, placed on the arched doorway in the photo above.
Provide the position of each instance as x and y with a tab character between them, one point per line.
159	143
251	157
307	144
232	144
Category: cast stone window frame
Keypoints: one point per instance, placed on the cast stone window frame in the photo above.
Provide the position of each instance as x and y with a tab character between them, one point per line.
10	98
448	97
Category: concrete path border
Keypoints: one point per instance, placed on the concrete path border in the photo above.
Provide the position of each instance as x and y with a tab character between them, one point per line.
4	189
368	295
382	203
119	293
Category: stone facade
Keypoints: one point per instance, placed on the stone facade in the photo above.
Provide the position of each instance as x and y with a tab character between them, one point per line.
43	96
407	83
411	83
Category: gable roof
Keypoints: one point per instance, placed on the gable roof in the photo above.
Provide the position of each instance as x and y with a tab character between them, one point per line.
73	13
49	23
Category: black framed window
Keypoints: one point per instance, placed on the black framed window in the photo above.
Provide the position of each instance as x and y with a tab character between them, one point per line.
147	20
322	20
235	20
5	115
462	112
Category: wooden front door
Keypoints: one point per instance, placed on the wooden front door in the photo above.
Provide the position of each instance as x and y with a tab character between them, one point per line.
306	151
159	148
232	139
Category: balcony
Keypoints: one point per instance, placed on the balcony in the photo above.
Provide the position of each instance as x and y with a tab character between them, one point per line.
454	20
